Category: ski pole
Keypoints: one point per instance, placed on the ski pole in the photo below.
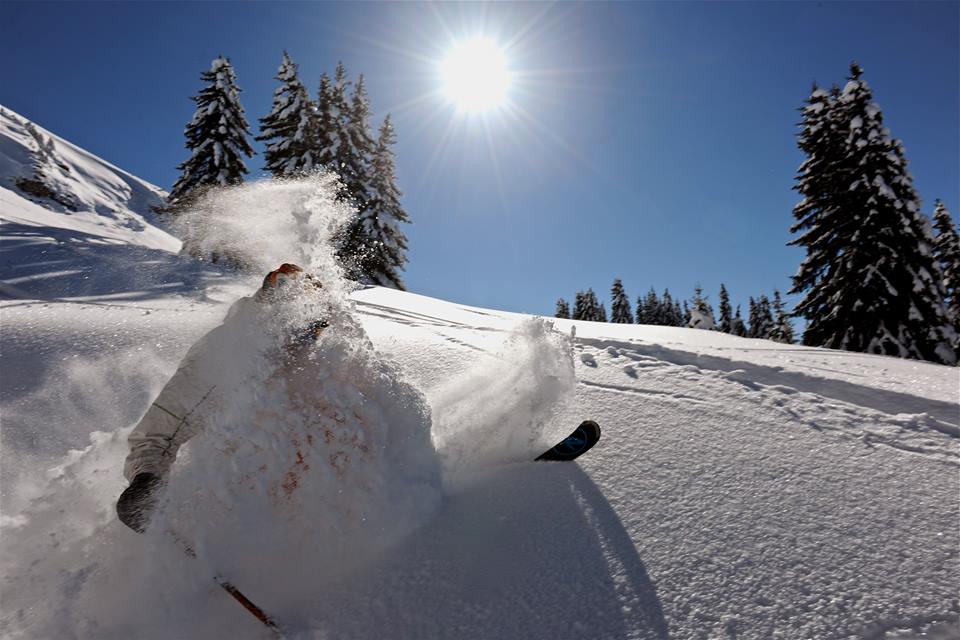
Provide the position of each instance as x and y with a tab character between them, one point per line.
237	595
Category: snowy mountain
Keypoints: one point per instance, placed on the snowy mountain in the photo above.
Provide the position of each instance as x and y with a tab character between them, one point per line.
742	488
40	169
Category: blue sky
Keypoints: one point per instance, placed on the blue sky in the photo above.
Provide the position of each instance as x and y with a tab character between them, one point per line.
654	142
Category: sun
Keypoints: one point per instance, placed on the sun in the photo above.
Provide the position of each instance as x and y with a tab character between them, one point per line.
475	75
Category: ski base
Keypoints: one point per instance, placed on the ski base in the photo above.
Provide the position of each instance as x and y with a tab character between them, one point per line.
574	445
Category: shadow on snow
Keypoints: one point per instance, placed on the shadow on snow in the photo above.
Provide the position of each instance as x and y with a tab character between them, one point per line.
528	551
45	263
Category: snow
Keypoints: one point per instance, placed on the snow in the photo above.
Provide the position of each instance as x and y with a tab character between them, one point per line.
742	488
108	201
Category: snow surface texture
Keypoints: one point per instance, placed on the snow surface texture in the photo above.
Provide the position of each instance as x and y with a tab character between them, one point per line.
742	488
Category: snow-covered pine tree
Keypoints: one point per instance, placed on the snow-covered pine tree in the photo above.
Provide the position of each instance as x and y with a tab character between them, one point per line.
672	311
726	322
652	308
701	312
641	311
686	314
737	327
947	253
870	281
290	129
620	304
765	323
355	151
328	123
601	313
383	244
563	309
753	319
216	136
591	306
580	306
352	142
782	330
666	309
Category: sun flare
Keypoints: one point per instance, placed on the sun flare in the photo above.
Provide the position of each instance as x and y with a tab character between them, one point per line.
475	75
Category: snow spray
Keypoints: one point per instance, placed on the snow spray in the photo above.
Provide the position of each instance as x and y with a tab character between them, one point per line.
507	408
314	457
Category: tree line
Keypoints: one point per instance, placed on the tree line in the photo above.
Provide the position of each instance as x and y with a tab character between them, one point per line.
302	135
879	276
767	319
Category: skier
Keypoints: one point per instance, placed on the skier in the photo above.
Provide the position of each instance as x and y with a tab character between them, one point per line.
178	412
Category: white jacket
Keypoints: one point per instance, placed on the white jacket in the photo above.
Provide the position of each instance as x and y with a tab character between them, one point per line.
191	395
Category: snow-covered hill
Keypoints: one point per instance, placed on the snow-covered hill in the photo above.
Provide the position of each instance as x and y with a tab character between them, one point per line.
42	175
742	489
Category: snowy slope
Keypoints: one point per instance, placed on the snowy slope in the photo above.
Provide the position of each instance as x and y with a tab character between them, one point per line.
742	489
47	181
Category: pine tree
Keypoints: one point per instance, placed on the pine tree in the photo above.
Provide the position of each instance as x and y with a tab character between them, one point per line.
328	124
782	330
666	309
652	308
354	158
765	324
383	244
620	304
353	143
601	313
563	309
947	253
701	313
674	315
737	327
641	311
686	314
870	281
753	319
216	135
290	129
590	309
580	306
726	322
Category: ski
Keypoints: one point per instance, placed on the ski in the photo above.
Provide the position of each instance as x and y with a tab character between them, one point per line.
575	444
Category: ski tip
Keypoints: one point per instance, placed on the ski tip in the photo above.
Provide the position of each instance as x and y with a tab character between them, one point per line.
576	444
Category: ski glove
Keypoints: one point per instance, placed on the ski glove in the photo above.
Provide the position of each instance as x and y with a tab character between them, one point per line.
137	502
